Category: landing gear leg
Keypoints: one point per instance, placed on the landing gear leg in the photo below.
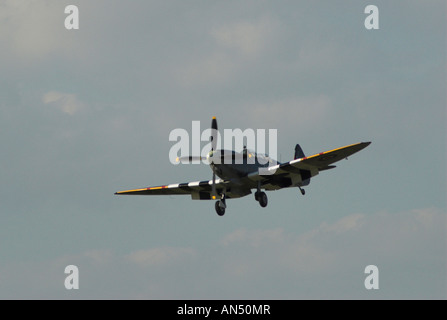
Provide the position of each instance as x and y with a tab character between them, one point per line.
303	192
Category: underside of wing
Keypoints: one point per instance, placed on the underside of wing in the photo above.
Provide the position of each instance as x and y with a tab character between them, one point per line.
199	190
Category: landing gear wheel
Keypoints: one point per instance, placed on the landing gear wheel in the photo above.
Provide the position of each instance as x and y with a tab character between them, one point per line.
220	210
303	192
263	200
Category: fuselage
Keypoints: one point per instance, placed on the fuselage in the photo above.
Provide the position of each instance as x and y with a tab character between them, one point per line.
228	164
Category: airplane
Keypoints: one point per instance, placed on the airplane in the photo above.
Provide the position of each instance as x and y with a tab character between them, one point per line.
238	178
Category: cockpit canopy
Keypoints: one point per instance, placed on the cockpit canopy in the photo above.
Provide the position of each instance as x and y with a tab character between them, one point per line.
247	155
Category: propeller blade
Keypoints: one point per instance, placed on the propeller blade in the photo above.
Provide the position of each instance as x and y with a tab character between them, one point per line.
213	187
213	140
213	137
228	157
189	159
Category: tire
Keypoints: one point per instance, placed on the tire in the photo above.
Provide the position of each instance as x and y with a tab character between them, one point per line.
263	200
220	211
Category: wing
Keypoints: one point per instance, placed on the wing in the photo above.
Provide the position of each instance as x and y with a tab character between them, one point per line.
297	171
322	160
172	189
288	174
199	190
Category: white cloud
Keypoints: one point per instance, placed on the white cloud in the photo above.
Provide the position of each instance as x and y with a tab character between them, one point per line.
246	37
234	45
66	102
31	29
327	261
381	237
99	257
304	112
254	238
346	224
160	256
216	68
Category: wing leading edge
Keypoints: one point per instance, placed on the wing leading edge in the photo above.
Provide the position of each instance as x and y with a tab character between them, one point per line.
177	188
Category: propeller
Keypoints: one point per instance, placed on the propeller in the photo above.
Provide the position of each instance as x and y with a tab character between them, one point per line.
213	137
213	140
209	158
190	158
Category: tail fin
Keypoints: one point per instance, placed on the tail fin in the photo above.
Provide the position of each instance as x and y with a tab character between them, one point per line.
298	152
305	174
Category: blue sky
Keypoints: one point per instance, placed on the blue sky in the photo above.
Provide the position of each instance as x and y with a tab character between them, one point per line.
85	113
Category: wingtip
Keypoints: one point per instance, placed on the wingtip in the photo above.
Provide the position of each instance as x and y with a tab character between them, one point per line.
363	145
